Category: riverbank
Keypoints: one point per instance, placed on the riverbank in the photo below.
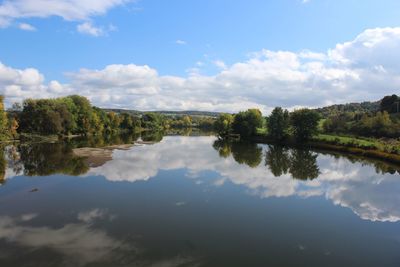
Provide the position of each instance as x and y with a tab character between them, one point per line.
386	150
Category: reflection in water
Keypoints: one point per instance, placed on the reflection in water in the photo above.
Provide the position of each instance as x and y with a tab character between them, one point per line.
300	163
277	160
243	152
196	201
80	243
47	159
3	165
341	179
149	136
303	164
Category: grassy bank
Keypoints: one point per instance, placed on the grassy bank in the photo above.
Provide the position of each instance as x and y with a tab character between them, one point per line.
382	149
389	146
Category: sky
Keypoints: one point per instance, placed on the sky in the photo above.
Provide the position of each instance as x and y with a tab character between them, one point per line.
214	55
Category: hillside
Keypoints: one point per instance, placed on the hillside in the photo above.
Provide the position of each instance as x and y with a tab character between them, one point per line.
364	107
192	113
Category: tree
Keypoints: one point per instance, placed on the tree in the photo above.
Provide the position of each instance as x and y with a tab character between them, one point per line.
278	124
391	104
126	122
152	121
3	118
187	121
114	120
246	123
304	123
223	124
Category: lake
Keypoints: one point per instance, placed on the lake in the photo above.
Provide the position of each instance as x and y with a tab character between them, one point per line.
194	201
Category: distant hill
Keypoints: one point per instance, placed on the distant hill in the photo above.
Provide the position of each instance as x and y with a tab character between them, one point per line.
364	107
192	113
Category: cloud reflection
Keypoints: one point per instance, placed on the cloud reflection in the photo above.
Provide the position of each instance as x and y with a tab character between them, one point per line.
78	242
355	185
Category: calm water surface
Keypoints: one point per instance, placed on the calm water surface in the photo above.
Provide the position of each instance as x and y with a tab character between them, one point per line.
195	201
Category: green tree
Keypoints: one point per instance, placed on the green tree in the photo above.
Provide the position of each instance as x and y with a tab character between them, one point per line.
223	124
391	104
246	123
3	118
127	122
304	123
278	124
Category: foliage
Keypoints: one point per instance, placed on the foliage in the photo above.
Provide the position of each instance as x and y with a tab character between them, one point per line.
153	121
304	123
70	115
246	123
390	104
3	119
278	124
223	124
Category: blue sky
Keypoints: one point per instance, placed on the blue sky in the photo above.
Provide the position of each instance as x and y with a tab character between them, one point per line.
189	40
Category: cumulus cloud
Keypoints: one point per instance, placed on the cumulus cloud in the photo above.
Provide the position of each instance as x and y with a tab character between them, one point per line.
365	68
70	10
220	64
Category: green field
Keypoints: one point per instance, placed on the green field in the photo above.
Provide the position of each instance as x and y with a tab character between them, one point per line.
388	146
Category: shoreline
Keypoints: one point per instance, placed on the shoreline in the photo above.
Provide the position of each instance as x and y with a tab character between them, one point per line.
318	144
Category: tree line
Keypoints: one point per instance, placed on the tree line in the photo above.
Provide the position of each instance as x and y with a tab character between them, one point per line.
384	122
369	119
300	124
74	115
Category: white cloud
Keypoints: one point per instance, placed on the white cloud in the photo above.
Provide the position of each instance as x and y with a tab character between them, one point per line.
180	42
365	68
26	27
70	10
89	29
220	64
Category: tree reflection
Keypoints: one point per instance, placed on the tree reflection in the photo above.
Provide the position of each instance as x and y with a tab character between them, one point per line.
300	163
3	165
277	158
303	164
152	136
48	159
103	140
223	147
243	152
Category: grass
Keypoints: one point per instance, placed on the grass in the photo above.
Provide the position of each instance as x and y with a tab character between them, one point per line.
387	146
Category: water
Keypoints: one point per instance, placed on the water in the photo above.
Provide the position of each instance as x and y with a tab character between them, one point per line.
195	201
